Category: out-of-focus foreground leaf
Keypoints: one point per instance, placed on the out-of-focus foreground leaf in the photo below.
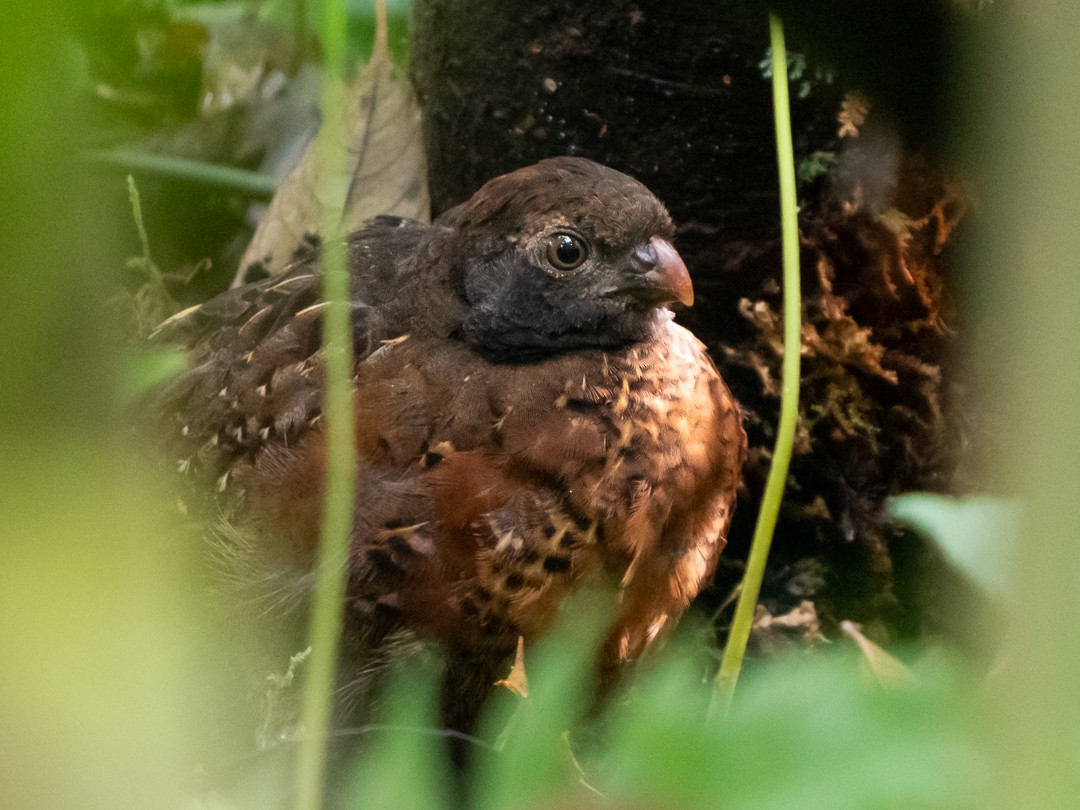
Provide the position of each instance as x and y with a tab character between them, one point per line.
1024	136
535	762
100	689
806	733
406	765
803	732
975	533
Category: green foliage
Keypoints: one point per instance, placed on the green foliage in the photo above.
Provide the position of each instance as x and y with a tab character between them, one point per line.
800	73
534	762
360	21
405	765
147	307
803	732
148	367
817	164
975	532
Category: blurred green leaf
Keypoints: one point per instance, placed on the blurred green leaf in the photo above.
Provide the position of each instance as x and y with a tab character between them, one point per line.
146	368
805	734
406	765
973	532
536	762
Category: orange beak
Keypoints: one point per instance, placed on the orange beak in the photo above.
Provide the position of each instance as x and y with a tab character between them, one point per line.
669	272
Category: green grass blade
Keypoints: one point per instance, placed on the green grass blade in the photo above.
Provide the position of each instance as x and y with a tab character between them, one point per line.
731	663
324	632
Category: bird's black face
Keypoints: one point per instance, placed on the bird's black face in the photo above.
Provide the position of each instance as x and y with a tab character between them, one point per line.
579	258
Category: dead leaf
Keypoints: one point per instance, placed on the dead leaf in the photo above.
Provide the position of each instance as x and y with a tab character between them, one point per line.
853	111
516	681
798	628
385	168
887	670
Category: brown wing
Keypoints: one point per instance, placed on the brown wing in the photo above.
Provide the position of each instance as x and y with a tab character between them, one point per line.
254	372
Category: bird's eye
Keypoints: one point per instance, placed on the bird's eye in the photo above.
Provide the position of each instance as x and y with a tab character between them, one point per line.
565	251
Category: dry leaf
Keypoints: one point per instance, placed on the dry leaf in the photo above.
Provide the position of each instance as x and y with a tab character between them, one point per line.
516	681
888	671
853	111
798	628
385	169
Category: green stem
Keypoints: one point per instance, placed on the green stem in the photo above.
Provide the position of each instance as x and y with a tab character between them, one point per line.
731	663
136	213
254	184
324	632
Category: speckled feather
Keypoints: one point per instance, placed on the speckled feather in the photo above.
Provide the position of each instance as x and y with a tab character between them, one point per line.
497	473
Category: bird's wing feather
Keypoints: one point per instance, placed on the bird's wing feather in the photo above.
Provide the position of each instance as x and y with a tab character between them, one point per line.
254	373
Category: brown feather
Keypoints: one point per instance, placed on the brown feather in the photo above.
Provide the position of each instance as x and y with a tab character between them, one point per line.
489	486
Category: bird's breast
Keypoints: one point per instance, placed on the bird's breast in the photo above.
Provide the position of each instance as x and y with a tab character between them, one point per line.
631	430
489	490
548	473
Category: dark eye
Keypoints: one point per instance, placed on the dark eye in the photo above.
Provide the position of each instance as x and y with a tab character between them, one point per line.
566	251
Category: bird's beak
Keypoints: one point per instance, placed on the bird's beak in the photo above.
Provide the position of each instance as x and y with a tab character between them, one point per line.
663	271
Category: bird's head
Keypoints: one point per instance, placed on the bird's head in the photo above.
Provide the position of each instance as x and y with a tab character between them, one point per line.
563	254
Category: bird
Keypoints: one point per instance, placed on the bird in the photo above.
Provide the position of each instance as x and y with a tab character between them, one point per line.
529	418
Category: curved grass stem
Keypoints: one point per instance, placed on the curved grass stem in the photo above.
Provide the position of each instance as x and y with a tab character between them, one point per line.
731	663
324	631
